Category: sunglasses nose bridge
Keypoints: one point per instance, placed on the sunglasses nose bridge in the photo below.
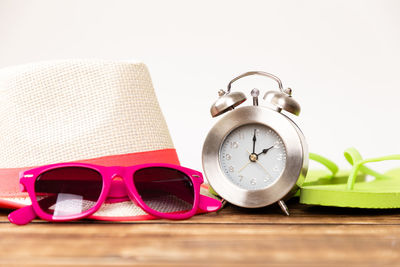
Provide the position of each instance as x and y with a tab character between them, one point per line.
116	171
118	187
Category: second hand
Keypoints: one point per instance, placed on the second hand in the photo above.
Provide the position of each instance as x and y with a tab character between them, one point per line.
259	164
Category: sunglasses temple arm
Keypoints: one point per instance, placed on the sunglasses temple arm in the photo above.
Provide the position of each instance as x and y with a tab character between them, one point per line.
209	204
22	216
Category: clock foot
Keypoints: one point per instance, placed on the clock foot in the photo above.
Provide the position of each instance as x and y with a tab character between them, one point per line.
284	208
223	204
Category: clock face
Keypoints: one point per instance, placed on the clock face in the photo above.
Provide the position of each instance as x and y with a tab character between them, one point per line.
252	156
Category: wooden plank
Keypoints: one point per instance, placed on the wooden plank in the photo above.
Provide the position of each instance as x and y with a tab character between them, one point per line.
176	243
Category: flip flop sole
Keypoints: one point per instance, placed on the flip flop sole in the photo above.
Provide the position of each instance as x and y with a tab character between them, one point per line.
376	194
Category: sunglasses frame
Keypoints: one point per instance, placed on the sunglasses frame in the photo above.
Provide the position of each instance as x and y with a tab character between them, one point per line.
28	179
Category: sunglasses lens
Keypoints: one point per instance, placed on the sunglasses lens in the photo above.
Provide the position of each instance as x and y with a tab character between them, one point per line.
165	190
68	191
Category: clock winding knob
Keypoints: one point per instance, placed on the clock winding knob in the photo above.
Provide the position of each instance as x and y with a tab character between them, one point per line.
254	93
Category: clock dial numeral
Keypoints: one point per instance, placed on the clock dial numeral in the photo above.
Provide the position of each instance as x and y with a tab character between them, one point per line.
280	157
241	135
231	169
240	178
253	181
234	144
277	144
228	157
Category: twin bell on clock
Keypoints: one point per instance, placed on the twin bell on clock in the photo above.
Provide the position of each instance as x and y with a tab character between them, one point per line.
254	155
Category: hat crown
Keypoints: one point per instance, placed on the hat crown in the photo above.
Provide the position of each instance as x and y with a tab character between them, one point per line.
77	109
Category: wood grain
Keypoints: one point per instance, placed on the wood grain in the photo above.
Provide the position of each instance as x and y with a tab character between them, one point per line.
311	236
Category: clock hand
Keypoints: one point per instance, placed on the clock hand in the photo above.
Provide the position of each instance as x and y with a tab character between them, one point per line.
259	162
265	151
241	169
252	156
264	169
254	141
250	161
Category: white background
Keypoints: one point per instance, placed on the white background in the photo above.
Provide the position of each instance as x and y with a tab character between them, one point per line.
341	58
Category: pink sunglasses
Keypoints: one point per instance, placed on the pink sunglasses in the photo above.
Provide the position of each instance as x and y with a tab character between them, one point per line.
71	191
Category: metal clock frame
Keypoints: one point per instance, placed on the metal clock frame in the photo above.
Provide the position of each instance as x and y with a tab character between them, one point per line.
296	157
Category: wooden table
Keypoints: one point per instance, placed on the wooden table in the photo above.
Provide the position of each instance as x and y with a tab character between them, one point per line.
311	236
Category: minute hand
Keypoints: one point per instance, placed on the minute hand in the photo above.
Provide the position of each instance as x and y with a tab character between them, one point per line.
254	141
265	151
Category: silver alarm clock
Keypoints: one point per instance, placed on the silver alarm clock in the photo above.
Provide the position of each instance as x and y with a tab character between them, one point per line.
254	155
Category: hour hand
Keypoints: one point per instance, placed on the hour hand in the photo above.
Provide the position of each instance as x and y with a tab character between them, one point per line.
264	151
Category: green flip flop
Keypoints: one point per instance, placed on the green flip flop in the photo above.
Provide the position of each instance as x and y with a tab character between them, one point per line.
351	188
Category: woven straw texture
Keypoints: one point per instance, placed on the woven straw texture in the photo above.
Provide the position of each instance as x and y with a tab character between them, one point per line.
77	109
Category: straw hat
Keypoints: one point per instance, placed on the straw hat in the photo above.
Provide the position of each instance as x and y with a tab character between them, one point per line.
94	111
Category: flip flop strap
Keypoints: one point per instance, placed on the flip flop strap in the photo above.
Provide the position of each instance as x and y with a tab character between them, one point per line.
330	165
354	157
